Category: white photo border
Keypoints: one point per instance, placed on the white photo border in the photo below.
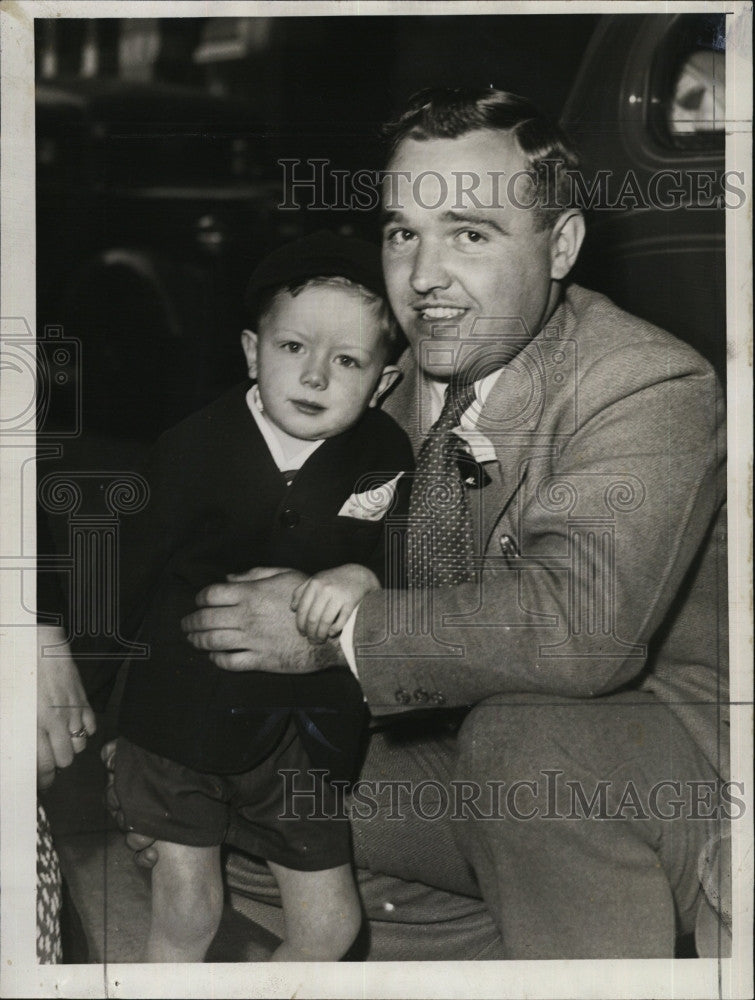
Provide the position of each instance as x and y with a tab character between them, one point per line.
21	975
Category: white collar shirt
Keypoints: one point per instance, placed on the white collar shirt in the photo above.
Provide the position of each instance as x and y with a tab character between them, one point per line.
282	446
479	445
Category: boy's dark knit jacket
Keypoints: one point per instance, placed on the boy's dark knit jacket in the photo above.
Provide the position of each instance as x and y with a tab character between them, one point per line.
218	504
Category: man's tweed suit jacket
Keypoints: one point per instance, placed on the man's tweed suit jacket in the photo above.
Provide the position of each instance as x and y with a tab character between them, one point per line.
601	534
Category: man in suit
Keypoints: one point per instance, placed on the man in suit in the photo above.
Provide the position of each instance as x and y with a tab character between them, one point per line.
586	646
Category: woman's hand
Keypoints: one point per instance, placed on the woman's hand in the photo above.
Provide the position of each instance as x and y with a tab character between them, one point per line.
64	718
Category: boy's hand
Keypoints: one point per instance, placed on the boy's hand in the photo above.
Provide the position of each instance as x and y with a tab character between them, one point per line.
324	602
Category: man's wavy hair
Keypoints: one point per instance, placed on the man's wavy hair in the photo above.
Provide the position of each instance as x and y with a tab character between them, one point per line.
445	113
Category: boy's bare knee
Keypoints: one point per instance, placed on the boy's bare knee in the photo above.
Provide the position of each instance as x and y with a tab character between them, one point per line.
187	893
322	912
328	936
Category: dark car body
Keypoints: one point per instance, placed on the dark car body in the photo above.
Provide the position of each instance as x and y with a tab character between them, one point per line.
660	253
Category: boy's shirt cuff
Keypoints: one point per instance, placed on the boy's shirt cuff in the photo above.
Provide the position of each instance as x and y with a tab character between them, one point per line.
347	642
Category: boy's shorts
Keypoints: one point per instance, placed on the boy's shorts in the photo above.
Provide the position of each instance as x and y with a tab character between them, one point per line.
298	821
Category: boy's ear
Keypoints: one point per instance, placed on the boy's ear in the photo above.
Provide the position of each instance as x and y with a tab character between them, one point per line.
566	241
249	346
391	374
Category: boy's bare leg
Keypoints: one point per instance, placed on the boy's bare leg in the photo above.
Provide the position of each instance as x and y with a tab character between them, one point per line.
322	913
187	902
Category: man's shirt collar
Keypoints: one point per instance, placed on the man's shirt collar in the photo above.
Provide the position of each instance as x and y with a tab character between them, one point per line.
480	446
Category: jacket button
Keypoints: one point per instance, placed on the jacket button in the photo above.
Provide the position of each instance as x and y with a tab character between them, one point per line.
403	697
290	517
437	698
421	695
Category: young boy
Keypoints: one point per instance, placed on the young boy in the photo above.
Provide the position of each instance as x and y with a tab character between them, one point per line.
298	471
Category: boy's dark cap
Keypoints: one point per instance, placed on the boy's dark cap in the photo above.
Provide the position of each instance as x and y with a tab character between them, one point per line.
320	255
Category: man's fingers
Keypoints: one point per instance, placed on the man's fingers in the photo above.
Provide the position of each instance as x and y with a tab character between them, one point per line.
216	639
208	619
258	573
218	595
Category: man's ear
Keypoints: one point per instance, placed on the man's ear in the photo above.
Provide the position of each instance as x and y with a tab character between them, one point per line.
566	240
249	346
391	374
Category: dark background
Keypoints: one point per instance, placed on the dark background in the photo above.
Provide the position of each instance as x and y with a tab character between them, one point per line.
325	83
158	181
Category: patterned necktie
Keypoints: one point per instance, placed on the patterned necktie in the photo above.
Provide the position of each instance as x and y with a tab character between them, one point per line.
439	546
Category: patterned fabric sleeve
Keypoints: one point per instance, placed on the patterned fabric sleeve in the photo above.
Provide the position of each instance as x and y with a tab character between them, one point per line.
49	894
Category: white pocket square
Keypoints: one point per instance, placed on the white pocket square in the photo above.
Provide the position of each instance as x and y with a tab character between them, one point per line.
372	504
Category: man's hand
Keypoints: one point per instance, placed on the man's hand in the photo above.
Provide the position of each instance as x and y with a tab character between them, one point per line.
145	853
64	718
325	601
247	624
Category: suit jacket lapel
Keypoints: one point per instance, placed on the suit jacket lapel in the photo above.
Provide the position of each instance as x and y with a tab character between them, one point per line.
507	473
510	418
516	412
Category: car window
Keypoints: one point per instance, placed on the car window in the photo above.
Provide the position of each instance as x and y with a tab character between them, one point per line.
698	102
691	91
